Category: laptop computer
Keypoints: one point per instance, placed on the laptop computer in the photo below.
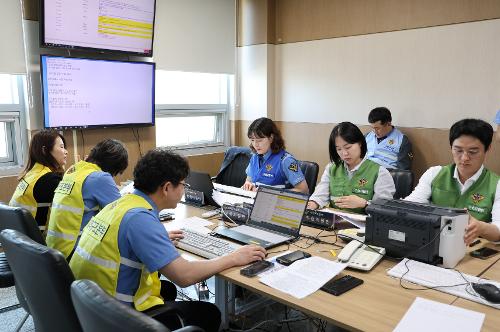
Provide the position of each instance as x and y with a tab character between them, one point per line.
201	182
275	218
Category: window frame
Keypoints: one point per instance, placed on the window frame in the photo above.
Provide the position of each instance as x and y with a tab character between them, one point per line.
15	117
221	111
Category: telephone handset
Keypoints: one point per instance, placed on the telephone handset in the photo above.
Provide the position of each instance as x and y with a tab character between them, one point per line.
360	256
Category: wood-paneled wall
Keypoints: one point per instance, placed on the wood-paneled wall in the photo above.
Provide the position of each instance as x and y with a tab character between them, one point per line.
309	141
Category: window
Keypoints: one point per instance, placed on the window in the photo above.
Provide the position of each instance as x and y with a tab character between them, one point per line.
11	112
192	110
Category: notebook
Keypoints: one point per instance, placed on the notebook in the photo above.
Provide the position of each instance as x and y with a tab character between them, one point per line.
275	218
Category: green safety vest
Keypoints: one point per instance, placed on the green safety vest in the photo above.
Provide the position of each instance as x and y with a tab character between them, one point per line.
68	208
478	199
361	184
23	195
97	256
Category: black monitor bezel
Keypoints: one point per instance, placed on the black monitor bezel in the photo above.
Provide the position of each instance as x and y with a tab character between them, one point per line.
135	124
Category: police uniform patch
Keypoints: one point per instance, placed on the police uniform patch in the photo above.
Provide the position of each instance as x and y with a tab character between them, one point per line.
391	142
65	187
293	167
477	197
269	167
362	182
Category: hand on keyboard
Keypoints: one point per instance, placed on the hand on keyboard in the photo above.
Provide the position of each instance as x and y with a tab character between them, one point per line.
175	235
248	254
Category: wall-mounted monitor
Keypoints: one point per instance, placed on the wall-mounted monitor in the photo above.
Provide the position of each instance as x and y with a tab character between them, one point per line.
101	25
87	93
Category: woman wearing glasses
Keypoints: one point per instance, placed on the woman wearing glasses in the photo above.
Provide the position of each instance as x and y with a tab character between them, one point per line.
350	180
44	169
270	164
466	183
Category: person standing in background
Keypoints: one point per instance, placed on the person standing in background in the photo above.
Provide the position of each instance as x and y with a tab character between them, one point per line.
45	167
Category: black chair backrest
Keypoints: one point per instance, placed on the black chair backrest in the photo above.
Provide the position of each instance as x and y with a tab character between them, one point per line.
44	277
98	311
232	172
310	170
21	220
403	180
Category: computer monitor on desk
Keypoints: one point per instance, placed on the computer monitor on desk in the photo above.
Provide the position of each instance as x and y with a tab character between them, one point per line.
423	232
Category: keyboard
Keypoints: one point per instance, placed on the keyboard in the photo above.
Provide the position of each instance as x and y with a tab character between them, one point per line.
234	190
205	245
434	276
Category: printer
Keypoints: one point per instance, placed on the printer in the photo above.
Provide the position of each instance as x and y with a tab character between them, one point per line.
424	232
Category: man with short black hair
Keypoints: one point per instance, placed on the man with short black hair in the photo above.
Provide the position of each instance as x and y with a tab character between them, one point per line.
125	246
466	183
387	146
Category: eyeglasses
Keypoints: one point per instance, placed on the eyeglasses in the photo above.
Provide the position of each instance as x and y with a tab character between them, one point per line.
470	153
186	185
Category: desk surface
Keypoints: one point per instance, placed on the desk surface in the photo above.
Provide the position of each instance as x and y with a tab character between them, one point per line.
378	304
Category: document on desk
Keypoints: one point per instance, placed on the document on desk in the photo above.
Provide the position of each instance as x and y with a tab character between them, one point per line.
194	223
427	315
224	198
303	277
358	220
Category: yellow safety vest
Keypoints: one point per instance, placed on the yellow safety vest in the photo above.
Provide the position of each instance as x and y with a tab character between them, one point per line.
68	208
23	195
97	256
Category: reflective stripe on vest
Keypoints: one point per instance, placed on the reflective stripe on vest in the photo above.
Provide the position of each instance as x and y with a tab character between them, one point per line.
23	196
68	208
98	257
386	152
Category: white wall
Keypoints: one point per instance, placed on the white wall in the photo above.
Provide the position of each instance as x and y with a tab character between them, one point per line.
255	97
11	38
195	35
427	77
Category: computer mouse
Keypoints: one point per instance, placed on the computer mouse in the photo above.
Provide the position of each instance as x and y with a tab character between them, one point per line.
489	292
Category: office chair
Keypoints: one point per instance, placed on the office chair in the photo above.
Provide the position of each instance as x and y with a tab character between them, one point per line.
310	170
100	312
232	170
403	180
44	277
22	221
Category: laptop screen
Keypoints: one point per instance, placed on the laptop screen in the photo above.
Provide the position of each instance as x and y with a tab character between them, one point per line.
278	209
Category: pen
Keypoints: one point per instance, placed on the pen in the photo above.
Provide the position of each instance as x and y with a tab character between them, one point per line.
474	243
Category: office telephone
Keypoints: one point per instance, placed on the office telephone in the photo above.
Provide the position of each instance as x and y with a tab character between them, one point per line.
360	256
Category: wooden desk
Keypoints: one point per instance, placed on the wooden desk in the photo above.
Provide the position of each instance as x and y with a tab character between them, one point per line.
492	319
377	305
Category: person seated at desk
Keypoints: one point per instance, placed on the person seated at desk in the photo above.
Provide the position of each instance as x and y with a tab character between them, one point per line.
124	246
270	164
387	146
86	187
466	183
44	169
350	180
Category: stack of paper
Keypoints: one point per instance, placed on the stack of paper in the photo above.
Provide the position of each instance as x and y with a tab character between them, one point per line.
303	277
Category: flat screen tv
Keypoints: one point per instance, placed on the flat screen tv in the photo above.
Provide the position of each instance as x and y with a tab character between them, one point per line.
101	25
87	93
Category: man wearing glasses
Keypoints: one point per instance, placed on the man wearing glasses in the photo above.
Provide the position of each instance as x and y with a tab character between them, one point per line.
125	246
466	183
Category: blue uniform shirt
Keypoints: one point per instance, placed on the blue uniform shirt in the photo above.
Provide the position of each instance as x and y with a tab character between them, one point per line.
497	118
98	190
277	169
142	238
